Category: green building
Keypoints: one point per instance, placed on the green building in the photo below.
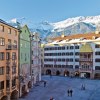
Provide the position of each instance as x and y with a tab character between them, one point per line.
24	66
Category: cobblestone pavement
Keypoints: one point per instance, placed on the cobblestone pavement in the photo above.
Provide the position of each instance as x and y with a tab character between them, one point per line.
57	87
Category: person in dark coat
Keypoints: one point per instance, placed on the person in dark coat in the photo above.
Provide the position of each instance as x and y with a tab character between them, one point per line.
44	83
68	92
71	92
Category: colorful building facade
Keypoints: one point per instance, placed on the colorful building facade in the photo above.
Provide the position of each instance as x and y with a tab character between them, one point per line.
75	55
36	58
9	37
25	66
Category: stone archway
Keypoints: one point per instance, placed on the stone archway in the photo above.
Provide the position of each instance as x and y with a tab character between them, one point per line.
77	74
14	95
66	73
87	75
57	72
4	98
48	72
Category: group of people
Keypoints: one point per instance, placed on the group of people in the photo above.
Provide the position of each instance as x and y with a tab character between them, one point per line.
70	92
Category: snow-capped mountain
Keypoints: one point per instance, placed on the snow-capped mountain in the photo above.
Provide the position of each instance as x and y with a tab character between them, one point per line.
94	20
69	26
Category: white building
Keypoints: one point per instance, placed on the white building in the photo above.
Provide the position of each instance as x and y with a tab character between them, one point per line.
74	55
36	58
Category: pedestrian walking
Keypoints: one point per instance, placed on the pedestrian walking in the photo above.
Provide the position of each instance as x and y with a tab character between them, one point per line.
68	91
82	87
44	83
50	75
71	92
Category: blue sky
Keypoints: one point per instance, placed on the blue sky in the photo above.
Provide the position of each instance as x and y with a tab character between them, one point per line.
36	11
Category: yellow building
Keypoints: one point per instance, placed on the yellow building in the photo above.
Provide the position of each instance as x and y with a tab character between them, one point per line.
8	61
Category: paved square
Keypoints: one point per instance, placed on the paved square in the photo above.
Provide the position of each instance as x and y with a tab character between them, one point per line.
57	87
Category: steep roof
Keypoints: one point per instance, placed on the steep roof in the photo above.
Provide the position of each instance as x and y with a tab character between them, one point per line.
2	21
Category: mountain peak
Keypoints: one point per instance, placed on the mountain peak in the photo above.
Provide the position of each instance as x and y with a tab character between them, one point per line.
71	21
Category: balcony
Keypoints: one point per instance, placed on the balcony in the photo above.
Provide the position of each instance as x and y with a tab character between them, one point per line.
8	62
86	59
7	90
11	47
85	69
13	87
8	77
14	63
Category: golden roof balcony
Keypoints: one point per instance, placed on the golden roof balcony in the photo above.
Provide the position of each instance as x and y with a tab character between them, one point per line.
86	59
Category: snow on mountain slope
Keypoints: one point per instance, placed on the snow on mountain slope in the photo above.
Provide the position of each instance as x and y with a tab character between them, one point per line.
77	28
69	26
94	20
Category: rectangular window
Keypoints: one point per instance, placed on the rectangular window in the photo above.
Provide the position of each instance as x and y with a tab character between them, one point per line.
2	41
15	44
97	46
1	55
15	33
7	55
97	53
7	70
9	31
76	47
97	60
13	69
97	67
1	70
1	28
9	41
13	82
71	47
1	85
7	83
14	56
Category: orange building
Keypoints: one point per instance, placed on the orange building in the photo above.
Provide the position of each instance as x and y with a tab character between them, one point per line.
8	61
